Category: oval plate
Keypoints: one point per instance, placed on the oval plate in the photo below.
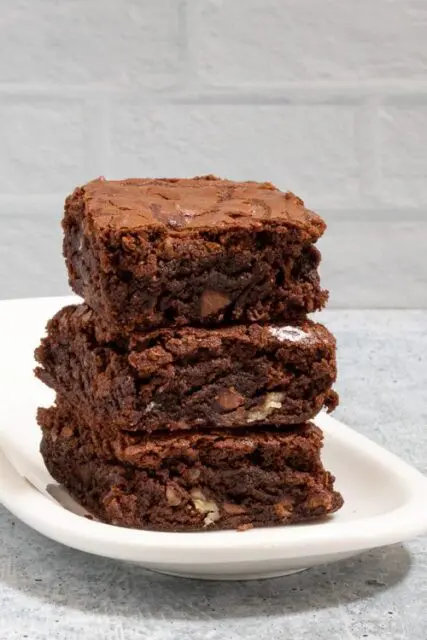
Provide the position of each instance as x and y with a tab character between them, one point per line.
384	496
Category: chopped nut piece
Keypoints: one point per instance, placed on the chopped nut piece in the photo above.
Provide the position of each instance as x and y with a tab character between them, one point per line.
271	402
193	474
67	432
320	499
283	509
233	509
174	494
229	399
204	505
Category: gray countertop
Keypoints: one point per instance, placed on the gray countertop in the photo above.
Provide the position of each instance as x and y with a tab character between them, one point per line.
49	591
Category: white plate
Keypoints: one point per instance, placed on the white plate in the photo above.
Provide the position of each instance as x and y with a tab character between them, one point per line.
384	496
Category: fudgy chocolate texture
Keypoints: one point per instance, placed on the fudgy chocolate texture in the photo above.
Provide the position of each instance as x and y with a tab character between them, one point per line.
151	253
188	377
147	451
191	481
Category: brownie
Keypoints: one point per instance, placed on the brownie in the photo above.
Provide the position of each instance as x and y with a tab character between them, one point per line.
188	377
189	481
148	253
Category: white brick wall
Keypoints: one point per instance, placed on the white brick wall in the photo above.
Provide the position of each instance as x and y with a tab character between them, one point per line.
274	41
328	99
403	153
42	145
90	42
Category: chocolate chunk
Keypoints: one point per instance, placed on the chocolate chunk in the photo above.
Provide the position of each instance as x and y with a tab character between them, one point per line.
229	399
212	301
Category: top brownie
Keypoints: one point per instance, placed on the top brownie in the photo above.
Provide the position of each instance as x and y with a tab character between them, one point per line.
160	252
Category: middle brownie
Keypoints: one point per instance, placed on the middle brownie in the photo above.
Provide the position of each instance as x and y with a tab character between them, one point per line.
183	378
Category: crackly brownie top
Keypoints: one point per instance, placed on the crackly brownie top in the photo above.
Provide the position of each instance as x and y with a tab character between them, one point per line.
194	204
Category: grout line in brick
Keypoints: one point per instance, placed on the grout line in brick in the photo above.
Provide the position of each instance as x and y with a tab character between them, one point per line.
189	89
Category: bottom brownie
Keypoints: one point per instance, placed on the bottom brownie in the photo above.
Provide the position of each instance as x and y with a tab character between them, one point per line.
189	481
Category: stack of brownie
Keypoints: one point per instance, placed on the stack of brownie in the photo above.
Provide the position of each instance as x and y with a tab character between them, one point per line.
186	380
